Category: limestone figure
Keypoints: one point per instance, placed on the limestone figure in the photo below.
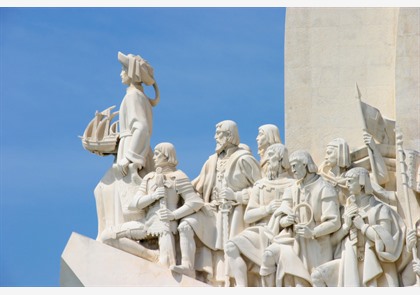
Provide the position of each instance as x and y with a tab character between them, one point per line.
336	164
224	179
159	196
309	215
133	158
374	238
245	250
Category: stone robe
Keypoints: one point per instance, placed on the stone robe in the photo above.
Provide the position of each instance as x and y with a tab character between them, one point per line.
241	172
114	192
298	255
366	263
135	123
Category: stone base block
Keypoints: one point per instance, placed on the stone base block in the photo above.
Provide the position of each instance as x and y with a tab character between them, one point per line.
88	263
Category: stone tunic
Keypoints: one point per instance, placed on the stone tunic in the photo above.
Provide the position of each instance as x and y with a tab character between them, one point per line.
177	188
298	255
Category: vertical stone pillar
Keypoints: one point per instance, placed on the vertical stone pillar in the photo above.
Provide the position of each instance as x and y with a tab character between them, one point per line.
407	94
328	51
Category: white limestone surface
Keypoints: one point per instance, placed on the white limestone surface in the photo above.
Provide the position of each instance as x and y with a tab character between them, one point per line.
90	263
328	51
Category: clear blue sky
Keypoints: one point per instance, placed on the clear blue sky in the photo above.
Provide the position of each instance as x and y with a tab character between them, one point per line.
59	65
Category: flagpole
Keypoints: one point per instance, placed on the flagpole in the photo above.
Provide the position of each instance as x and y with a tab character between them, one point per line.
372	159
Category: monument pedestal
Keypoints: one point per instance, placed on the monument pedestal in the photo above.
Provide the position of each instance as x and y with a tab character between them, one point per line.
88	263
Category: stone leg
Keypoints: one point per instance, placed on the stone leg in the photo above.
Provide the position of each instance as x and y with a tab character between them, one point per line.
268	267
167	249
188	248
317	279
237	265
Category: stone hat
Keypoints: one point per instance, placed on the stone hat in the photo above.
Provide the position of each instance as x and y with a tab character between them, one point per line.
137	68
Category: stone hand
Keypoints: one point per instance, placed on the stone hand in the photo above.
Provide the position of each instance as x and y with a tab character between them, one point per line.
367	138
358	222
274	204
416	267
134	168
123	166
227	194
165	214
304	231
411	239
159	193
349	213
289	220
107	235
213	204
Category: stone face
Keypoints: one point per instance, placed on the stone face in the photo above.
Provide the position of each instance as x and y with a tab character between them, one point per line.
89	263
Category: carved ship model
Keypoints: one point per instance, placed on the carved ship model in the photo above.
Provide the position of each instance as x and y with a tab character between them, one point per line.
101	135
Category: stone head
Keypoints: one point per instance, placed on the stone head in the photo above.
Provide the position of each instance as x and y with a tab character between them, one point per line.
226	134
135	69
358	181
337	153
277	159
301	163
268	134
165	155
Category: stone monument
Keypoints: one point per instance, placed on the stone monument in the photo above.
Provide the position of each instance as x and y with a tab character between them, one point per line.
341	211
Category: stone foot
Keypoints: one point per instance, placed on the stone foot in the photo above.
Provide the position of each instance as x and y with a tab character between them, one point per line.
181	269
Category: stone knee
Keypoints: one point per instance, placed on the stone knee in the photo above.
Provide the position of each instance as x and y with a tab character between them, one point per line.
317	279
231	249
185	230
268	265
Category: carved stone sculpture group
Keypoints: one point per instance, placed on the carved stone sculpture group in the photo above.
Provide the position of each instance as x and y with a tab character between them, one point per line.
276	221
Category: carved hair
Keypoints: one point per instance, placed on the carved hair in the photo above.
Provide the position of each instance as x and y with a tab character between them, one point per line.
231	128
343	152
305	158
271	132
283	153
363	178
168	150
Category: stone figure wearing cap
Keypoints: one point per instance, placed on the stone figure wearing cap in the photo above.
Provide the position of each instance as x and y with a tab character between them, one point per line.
134	155
135	116
165	196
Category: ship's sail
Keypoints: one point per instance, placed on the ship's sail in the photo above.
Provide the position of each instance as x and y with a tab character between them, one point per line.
101	135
